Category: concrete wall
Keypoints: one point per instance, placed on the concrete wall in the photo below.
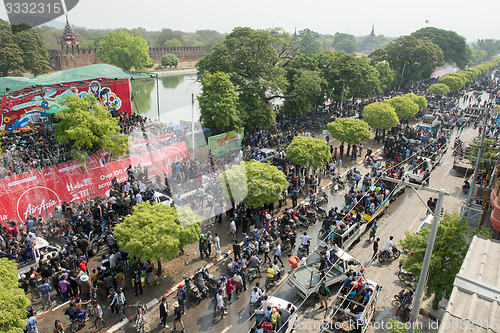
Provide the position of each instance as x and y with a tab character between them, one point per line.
73	58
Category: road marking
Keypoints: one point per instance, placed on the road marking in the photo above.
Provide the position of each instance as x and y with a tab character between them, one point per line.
226	329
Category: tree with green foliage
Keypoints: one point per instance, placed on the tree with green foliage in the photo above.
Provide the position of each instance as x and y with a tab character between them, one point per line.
352	131
88	127
490	46
253	60
411	58
174	42
157	232
304	92
169	60
404	106
452	242
454	82
308	41
454	47
380	115
124	50
253	183
347	75
219	103
35	54
308	152
421	101
11	56
386	76
345	42
13	300
439	89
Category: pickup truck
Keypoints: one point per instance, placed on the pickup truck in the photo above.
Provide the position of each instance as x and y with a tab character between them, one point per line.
41	251
305	279
346	315
416	174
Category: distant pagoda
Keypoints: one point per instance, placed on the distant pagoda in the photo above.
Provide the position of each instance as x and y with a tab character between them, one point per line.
68	38
372	34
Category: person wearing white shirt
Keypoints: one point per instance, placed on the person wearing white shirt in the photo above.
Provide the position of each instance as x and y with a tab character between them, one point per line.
304	241
277	253
389	244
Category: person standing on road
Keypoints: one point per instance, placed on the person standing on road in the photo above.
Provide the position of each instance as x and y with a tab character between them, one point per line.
232	230
304	241
136	279
209	243
44	290
31	324
220	304
121	300
98	316
217	243
164	312
277	253
267	248
178	316
203	245
375	247
58	327
236	251
181	298
373	231
324	293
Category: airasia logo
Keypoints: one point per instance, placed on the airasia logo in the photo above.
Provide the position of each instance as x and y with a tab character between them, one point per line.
36	201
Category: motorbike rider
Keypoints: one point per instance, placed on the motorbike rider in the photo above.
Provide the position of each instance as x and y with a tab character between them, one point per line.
254	262
270	272
389	245
305	241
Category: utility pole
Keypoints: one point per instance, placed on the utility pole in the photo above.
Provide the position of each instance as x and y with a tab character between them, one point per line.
192	122
422	280
158	95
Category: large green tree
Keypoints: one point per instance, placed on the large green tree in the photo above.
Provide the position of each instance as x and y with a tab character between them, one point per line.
404	106
157	232
219	103
454	82
35	55
345	42
380	115
11	56
452	241
308	41
421	101
439	89
304	92
124	50
490	46
253	60
454	47
253	183
386	77
308	152
352	131
13	300
412	58
87	126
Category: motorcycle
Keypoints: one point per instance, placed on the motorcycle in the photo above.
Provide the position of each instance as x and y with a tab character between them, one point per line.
209	278
406	276
192	290
199	282
466	187
271	282
253	273
337	184
302	251
404	300
392	254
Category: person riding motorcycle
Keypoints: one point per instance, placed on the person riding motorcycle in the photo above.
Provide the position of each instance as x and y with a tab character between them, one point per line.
389	245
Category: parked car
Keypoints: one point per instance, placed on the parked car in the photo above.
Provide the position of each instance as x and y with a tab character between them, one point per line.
163	199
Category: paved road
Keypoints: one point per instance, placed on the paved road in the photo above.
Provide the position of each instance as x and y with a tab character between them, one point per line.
403	215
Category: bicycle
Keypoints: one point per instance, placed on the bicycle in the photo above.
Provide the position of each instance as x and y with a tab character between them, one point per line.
77	324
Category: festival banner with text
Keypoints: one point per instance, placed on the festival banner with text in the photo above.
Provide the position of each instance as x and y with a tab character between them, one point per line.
226	142
39	192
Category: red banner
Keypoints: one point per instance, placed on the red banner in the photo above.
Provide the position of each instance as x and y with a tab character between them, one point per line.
28	107
39	192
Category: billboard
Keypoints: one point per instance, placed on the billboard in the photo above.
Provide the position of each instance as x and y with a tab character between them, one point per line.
39	192
226	142
28	107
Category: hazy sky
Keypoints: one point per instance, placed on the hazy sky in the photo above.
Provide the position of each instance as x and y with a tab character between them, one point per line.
472	19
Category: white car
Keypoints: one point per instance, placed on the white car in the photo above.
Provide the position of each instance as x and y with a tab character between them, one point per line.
42	250
163	199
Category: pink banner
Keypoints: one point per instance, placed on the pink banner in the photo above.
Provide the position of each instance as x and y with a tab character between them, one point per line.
39	192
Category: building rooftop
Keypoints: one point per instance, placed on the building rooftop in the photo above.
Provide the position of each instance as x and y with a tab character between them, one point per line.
68	38
474	305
